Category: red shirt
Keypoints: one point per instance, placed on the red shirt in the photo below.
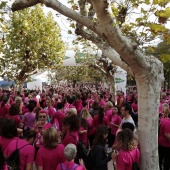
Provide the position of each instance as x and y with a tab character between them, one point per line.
50	158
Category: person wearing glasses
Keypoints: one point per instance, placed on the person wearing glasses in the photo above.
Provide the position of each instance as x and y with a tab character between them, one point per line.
40	126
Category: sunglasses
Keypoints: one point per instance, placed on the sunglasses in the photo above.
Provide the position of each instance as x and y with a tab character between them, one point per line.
42	116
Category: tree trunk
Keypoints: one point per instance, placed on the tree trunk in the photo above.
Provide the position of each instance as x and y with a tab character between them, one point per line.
149	87
112	82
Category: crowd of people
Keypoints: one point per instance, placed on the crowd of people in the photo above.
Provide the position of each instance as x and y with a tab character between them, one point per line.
46	127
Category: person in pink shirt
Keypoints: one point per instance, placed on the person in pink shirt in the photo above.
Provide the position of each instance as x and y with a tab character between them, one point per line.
101	119
29	117
40	126
129	152
78	104
109	110
164	140
26	153
91	129
71	125
59	115
50	108
70	154
114	124
102	102
8	132
83	132
4	107
14	114
51	153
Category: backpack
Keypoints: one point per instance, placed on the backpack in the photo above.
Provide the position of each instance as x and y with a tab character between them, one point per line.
89	161
13	161
63	167
82	151
135	165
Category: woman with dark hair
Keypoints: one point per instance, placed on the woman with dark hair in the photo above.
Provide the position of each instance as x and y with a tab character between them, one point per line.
26	152
71	125
129	152
114	124
101	119
95	109
4	107
51	153
99	155
8	133
29	117
14	114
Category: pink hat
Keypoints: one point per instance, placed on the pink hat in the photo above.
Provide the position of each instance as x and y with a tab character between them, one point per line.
43	111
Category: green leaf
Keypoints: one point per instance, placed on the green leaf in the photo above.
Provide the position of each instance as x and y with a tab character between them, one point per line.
2	4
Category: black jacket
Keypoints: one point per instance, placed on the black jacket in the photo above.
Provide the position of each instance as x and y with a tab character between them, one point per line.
100	158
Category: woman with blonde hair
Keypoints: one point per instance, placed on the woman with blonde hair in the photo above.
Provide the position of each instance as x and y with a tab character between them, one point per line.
91	129
165	110
164	138
129	152
51	153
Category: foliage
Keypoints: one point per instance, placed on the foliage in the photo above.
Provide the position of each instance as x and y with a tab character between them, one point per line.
33	42
78	73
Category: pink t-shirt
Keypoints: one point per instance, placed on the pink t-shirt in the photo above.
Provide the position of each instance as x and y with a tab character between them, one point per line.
164	128
26	153
51	111
91	128
59	115
83	137
70	139
135	107
4	142
104	122
4	110
109	113
69	165
29	120
50	158
116	119
125	159
39	136
16	117
78	105
102	103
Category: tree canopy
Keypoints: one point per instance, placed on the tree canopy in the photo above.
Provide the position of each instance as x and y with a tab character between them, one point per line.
33	42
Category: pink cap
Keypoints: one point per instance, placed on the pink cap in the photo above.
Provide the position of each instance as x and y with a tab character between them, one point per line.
43	111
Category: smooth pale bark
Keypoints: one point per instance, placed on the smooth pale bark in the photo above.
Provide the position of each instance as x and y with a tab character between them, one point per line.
148	99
